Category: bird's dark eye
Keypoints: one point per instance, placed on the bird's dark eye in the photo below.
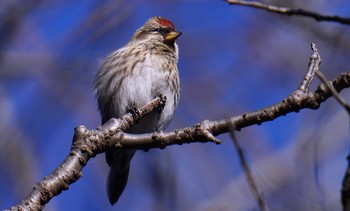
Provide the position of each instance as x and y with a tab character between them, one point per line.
156	29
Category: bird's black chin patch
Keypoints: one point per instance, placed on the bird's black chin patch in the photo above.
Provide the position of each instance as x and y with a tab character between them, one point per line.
170	43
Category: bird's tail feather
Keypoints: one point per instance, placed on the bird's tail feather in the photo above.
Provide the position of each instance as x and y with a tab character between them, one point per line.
119	173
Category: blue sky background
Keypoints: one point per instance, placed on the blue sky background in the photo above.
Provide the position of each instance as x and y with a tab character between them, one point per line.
233	59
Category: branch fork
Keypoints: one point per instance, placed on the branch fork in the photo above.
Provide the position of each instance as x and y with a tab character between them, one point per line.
204	129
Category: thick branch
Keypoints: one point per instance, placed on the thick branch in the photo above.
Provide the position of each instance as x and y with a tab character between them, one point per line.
290	12
89	143
86	144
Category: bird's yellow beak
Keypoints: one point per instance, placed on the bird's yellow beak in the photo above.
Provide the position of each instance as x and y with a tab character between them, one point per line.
171	36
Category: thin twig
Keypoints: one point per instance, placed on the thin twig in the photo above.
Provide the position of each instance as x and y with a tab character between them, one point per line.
314	63
290	12
250	179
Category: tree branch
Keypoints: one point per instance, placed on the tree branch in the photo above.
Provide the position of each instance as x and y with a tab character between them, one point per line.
86	144
290	12
336	95
314	63
89	143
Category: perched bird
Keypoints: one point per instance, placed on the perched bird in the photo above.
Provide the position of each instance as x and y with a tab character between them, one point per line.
132	76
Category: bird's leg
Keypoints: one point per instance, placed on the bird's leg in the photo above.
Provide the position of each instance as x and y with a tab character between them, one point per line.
162	103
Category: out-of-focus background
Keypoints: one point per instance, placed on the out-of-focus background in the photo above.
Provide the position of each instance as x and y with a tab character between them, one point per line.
233	59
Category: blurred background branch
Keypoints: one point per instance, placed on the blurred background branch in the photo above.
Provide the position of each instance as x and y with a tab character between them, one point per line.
258	195
290	12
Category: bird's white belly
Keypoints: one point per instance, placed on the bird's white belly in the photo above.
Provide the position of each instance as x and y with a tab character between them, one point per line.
142	87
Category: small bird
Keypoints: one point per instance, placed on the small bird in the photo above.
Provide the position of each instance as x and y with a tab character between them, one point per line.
132	76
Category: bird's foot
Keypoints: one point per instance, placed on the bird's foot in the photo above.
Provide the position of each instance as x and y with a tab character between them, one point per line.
162	103
135	113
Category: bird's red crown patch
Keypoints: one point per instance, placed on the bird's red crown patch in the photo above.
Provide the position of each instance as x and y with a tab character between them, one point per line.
165	22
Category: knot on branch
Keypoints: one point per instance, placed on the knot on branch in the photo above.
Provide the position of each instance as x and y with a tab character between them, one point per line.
298	100
89	141
80	133
204	129
159	139
117	139
342	81
80	130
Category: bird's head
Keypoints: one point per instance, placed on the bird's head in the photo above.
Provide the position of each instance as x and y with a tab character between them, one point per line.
159	29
